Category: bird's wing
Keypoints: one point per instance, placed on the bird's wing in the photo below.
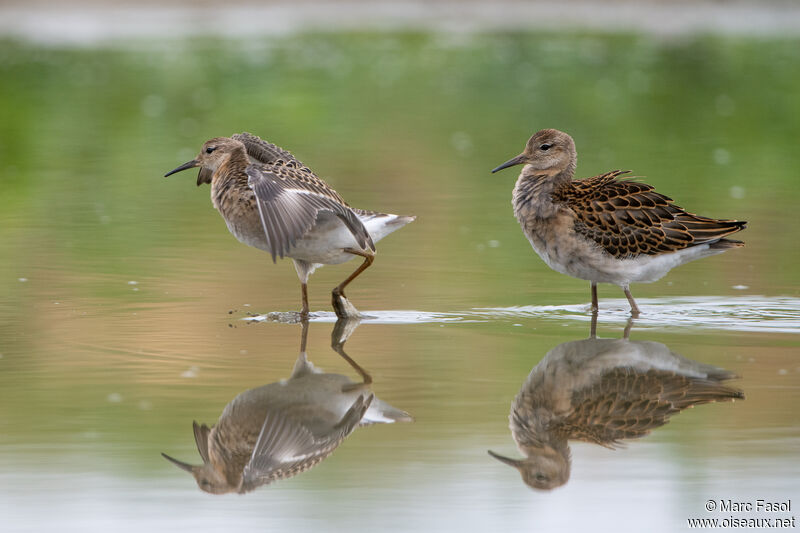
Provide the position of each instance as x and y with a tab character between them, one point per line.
285	447
623	404
201	439
264	152
628	218
289	200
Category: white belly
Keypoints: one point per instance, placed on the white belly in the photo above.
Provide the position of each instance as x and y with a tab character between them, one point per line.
575	256
325	242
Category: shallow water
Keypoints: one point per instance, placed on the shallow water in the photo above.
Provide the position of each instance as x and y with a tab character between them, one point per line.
128	311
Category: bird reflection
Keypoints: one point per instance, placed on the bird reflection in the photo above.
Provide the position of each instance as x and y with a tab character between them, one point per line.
602	391
282	429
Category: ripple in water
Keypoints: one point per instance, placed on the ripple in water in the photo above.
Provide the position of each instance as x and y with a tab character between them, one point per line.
746	313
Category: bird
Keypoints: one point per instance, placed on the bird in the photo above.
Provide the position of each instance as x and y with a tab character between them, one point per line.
602	391
273	202
608	228
282	429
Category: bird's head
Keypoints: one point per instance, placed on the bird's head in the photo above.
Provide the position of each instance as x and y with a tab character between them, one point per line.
214	154
208	478
547	152
544	471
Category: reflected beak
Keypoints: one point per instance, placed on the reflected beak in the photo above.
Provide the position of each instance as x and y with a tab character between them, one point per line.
511	462
511	162
189	164
180	464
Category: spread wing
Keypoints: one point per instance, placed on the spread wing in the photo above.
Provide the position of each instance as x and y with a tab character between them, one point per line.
286	448
626	404
290	198
628	218
264	152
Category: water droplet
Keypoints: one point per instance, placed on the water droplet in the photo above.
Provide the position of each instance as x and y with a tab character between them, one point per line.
462	142
114	397
22	280
191	373
722	156
736	192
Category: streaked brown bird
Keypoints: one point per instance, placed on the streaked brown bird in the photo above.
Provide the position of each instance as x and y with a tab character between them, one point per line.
282	429
602	391
605	229
273	202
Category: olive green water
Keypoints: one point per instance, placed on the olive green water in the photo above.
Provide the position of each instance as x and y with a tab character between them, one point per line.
123	294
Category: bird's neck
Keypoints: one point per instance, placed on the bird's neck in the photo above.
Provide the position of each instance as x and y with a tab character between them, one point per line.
234	167
534	189
231	174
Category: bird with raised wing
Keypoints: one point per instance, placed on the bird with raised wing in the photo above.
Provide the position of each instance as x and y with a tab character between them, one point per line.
273	202
282	429
605	229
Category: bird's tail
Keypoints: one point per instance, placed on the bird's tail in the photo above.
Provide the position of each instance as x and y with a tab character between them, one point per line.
379	225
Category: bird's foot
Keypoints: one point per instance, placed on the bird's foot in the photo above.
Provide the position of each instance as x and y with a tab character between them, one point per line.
342	306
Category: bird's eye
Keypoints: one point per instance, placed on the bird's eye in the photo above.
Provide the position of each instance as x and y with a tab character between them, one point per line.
541	477
545	146
210	149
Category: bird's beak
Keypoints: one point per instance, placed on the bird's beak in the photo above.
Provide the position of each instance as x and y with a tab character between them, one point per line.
189	164
180	464
511	462
510	163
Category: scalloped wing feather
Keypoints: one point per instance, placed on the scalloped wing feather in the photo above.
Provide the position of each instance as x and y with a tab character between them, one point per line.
629	218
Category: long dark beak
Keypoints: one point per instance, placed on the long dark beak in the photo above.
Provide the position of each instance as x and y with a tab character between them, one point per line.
510	163
189	164
506	460
179	464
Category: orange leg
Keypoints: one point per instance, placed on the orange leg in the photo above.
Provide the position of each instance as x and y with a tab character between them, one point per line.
634	307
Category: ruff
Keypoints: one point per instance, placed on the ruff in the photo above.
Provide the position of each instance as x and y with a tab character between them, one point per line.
605	229
271	201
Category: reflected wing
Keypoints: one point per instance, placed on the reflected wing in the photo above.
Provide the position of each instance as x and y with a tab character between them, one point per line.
263	151
289	200
626	404
628	218
286	448
201	433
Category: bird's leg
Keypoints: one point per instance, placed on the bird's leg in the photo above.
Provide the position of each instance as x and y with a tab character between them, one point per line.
304	269
593	327
626	333
304	336
339	336
304	312
343	308
595	306
634	307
